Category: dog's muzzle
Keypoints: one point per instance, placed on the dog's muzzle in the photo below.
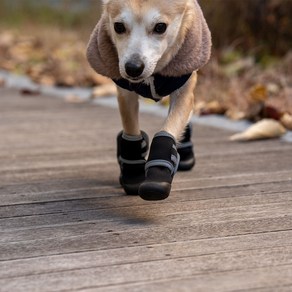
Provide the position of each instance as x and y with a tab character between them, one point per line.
135	67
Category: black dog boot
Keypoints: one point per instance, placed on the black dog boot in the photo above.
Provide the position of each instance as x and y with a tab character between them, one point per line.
160	168
185	150
131	154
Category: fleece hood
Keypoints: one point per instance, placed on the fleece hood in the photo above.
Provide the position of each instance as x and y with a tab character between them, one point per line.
193	54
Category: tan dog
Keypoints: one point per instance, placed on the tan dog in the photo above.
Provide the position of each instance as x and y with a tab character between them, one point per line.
153	49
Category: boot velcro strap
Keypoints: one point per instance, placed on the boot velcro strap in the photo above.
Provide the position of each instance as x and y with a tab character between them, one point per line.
163	153
131	162
132	148
184	145
172	166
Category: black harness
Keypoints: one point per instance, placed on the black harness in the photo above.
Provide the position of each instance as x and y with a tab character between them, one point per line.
156	87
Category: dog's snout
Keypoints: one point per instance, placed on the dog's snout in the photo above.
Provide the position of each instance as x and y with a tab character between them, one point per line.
134	67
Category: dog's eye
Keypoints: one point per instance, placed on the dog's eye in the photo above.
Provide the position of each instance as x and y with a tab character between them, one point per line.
119	28
160	28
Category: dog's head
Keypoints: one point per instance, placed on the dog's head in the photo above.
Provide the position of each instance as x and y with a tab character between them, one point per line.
136	38
146	33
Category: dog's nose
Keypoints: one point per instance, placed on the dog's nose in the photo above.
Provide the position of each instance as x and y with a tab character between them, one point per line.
134	68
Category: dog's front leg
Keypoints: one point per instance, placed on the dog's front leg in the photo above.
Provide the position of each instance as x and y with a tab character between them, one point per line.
181	108
129	111
163	158
132	144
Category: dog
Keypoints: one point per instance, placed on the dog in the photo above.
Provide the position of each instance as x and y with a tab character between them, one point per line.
152	49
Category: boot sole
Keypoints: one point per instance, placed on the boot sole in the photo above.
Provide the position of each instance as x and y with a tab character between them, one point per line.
154	191
186	165
130	189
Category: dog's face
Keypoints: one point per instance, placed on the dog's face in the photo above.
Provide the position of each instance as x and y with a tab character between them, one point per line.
145	33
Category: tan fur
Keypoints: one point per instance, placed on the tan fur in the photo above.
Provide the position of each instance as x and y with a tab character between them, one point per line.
189	53
141	6
181	108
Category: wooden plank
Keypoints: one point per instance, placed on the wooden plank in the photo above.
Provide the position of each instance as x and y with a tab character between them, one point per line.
47	228
66	225
155	270
198	211
126	255
211	168
257	280
178	203
52	190
108	235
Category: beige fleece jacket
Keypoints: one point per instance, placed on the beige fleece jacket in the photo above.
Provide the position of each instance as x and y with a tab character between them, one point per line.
193	54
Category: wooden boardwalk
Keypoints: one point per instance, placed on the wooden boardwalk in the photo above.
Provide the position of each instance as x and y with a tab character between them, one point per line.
65	224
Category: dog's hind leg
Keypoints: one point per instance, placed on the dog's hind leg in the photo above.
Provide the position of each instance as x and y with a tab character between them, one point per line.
185	150
163	160
132	144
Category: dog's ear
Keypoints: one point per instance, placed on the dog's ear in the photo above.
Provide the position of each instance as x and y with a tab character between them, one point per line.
101	53
196	49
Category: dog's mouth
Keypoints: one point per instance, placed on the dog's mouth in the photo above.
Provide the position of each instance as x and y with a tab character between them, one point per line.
135	79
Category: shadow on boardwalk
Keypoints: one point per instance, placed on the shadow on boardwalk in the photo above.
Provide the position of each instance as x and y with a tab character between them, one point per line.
66	225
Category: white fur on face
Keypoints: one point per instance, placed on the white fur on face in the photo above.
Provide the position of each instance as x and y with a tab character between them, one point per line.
140	39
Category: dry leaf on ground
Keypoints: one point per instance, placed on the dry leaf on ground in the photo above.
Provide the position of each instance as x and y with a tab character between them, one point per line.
2	82
72	98
264	129
108	89
286	121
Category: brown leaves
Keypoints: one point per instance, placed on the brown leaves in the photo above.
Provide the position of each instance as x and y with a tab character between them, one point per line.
208	108
108	89
245	90
55	61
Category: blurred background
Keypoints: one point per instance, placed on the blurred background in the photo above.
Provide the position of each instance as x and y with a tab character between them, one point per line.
249	75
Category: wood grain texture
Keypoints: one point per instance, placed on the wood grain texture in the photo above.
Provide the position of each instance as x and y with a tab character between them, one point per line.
65	224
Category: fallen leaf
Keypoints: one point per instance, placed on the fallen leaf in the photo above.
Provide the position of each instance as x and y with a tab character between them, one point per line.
235	115
286	121
271	112
199	106
2	82
212	108
273	88
30	91
264	129
72	98
47	80
258	93
108	89
100	80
